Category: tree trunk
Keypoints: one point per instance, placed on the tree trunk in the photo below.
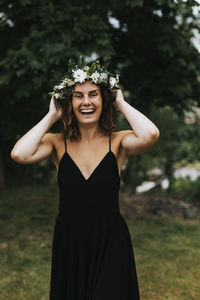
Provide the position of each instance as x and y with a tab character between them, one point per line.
169	172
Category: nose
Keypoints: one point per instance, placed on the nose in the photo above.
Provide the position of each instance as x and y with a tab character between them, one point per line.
86	100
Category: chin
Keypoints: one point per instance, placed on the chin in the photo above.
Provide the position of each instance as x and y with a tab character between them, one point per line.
88	121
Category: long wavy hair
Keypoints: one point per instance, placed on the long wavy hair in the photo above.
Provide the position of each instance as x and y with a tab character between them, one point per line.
69	128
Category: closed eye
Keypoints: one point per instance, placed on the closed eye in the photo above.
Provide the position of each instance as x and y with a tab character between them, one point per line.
79	96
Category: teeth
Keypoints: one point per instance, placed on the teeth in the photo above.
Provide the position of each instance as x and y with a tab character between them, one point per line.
87	110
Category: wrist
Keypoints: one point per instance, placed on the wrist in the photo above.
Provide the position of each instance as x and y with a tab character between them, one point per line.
120	105
52	117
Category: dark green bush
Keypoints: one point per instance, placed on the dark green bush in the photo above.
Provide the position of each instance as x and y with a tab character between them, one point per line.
187	190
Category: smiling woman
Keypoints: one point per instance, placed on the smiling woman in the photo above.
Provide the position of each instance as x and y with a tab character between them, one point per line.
92	253
72	112
86	110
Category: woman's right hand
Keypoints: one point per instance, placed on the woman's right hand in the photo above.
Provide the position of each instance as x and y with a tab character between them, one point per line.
55	110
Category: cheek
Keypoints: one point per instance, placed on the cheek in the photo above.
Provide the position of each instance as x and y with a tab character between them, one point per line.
98	103
75	105
101	106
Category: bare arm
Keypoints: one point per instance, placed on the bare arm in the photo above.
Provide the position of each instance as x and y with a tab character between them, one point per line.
36	144
144	132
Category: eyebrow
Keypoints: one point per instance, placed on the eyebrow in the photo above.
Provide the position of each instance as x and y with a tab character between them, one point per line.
89	91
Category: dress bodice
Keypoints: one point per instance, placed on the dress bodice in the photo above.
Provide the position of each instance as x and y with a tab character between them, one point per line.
101	188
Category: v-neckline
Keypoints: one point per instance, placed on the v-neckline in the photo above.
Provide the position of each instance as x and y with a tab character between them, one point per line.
78	169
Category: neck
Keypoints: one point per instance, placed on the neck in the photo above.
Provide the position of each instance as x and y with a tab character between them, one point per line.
89	132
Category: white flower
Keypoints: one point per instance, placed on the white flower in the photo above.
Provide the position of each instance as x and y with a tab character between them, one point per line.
56	87
79	75
58	95
112	81
103	76
117	77
86	68
61	86
71	82
95	76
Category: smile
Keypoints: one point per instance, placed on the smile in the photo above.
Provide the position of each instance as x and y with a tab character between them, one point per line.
87	111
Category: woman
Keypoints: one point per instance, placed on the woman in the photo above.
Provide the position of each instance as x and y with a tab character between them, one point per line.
92	254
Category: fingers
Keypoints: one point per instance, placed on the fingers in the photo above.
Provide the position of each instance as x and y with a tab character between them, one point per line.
114	95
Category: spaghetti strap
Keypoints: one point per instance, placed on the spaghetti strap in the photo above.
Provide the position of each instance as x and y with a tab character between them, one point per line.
65	146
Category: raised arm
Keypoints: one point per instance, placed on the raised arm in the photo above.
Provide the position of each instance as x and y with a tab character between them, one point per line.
144	132
36	144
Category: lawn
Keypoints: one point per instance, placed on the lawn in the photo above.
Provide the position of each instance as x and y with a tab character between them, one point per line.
167	250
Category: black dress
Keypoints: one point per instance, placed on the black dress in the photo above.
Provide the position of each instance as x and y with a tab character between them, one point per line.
92	254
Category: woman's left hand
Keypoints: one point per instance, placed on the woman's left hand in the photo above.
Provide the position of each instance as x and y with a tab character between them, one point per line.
119	98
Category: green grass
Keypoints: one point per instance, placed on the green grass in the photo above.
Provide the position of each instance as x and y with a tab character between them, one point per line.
167	251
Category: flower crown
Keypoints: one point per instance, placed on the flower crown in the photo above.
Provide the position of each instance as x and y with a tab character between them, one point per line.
82	72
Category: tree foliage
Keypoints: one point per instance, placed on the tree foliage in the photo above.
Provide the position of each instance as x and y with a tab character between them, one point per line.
153	44
178	145
151	48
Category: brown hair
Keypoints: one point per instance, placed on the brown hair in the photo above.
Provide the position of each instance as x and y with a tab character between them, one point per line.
70	128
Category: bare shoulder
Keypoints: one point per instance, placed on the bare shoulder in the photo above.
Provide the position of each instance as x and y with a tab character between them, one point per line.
121	133
56	140
120	152
117	137
55	137
52	138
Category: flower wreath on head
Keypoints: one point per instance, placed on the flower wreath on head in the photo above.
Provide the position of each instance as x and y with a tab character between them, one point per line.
80	73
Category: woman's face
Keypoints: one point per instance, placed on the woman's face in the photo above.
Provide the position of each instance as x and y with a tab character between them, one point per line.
87	102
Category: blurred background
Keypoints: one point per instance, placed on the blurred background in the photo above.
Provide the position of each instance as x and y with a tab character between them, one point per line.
155	46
